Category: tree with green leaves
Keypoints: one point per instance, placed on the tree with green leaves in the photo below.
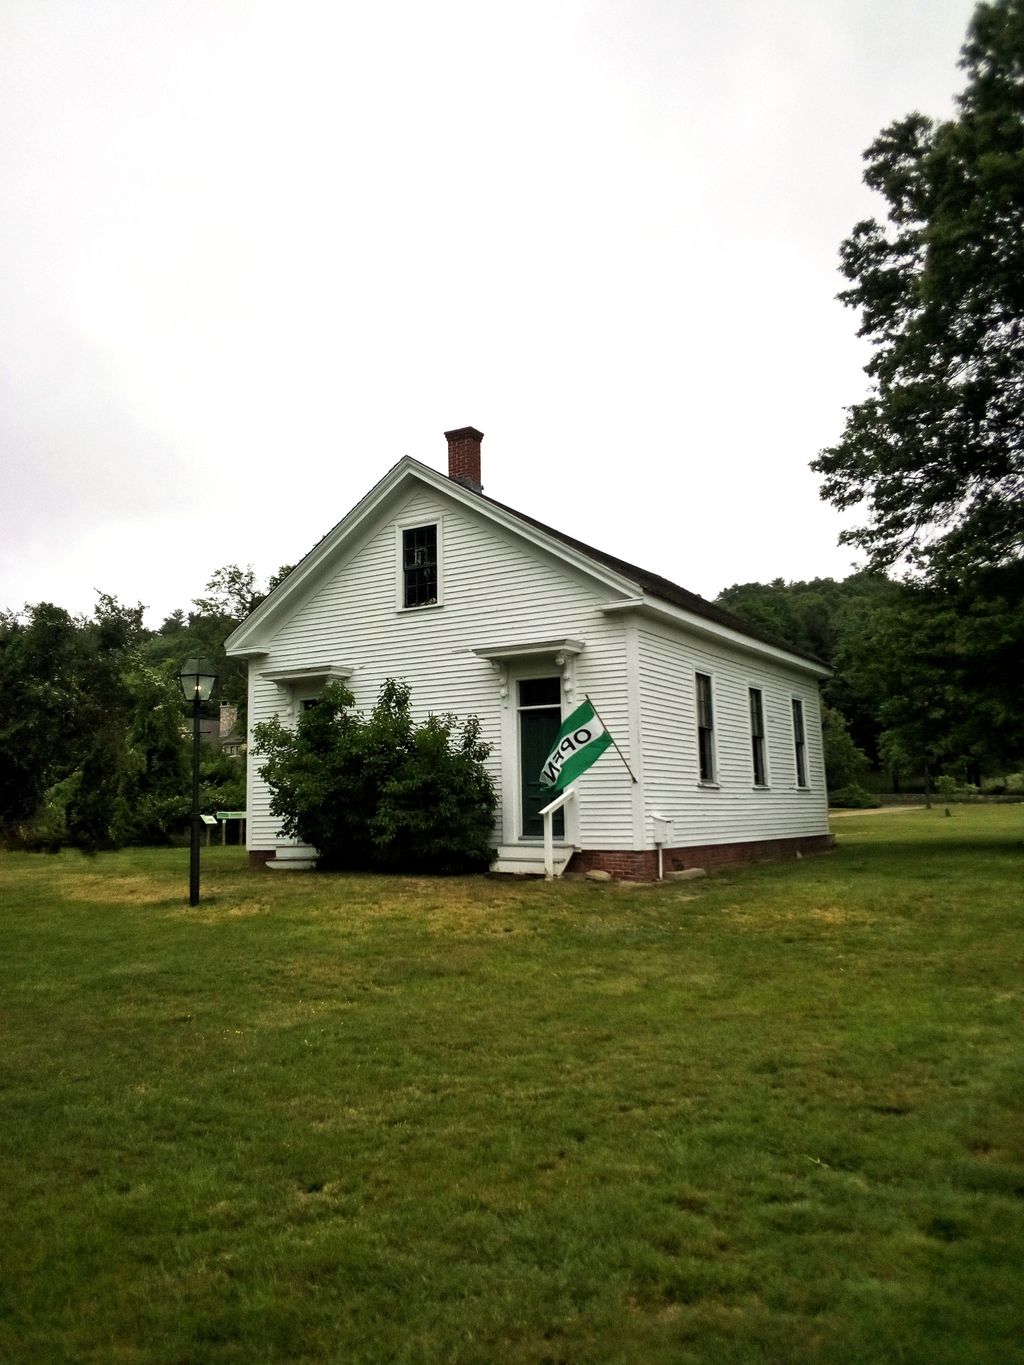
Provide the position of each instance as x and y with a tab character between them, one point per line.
91	749
936	450
231	594
42	695
944	670
845	763
381	792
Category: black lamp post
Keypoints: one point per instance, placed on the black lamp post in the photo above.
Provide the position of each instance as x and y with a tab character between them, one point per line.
197	680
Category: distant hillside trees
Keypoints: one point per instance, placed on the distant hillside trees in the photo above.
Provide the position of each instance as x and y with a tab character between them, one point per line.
816	617
927	677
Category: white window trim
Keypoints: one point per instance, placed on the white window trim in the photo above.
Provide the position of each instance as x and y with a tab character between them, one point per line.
766	784
297	685
300	695
805	785
711	783
411	524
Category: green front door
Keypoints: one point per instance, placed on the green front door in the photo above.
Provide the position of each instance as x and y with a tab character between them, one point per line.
540	718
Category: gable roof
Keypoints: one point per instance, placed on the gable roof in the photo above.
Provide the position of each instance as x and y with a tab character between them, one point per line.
391	485
664	588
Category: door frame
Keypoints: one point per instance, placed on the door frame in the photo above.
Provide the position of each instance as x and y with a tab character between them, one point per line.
511	767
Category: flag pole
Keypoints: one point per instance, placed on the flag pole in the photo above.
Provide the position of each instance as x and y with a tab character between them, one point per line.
597	713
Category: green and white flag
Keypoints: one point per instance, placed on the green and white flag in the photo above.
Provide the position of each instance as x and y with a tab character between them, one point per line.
580	742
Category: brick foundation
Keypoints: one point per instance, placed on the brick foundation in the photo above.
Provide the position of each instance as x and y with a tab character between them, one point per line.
259	856
632	866
642	865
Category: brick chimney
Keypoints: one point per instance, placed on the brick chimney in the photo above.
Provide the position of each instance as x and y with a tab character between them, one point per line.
464	457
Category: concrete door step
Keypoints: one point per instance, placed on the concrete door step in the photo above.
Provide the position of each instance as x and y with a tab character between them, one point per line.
527	860
293	859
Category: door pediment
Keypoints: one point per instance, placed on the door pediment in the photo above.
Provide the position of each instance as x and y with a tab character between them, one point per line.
561	653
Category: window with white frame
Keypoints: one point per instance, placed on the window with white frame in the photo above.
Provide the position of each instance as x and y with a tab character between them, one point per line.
705	728
304	699
420	566
757	744
799	743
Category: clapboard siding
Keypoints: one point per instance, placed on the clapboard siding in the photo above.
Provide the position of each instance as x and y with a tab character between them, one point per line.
504	585
496	589
733	810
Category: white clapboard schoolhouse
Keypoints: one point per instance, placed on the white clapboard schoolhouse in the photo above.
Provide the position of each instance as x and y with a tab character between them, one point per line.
484	611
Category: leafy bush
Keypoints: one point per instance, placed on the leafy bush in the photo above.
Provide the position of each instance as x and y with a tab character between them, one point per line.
380	792
1010	785
853	797
221	781
47	830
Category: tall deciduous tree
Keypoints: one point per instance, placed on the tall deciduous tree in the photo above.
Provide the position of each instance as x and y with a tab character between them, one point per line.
42	660
944	669
936	450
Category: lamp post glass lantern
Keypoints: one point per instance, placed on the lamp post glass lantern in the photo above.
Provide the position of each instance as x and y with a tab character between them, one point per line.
197	678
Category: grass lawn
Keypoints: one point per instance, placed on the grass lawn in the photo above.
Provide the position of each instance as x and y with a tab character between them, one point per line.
774	1116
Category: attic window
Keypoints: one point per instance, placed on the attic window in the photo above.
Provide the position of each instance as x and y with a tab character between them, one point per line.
420	578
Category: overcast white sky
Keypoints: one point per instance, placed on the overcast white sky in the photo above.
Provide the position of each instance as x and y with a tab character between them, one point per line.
253	252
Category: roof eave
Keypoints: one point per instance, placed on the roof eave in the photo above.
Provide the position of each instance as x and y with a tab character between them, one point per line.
250	635
248	638
657	609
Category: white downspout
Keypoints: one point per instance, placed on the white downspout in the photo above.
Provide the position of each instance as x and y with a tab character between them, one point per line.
662	834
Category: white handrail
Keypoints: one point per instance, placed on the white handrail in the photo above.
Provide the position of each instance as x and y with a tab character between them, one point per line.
549	841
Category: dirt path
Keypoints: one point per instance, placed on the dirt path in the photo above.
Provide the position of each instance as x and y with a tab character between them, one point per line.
876	810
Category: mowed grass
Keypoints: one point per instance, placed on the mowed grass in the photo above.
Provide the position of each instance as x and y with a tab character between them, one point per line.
771	1116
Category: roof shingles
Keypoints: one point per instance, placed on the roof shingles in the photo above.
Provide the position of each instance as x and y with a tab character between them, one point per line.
661	587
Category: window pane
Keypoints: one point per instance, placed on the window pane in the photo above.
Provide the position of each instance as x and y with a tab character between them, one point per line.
707	767
540	692
799	744
705	728
756	712
419	546
419	565
704	717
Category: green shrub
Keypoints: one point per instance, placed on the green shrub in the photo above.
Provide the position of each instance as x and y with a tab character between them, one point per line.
951	788
1010	785
222	781
47	830
155	818
379	792
853	797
